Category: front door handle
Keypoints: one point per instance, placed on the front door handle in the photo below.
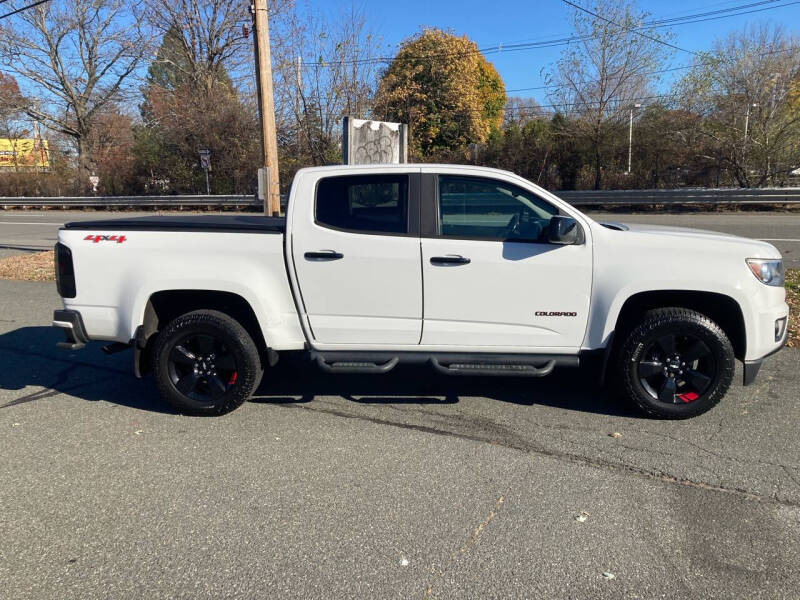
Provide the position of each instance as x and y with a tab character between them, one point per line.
454	259
323	255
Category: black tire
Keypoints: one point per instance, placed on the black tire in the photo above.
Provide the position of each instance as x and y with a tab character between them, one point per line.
205	363
676	364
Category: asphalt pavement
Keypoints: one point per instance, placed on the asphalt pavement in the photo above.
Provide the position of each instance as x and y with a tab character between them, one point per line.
36	230
407	485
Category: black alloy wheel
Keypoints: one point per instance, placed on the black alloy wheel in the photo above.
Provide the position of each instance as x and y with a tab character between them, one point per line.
206	363
677	363
202	367
677	368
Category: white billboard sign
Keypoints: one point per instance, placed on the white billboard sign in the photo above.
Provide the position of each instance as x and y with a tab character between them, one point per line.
366	142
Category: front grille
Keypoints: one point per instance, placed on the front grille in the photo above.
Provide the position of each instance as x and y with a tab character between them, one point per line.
65	272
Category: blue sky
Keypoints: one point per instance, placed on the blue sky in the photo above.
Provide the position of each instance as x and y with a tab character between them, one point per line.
506	21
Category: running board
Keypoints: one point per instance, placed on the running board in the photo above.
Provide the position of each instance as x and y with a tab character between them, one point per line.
464	363
495	369
353	366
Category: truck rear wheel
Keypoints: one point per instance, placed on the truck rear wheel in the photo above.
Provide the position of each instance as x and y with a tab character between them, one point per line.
205	363
676	364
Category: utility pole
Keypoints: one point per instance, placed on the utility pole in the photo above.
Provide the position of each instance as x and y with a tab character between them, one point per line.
747	120
266	106
298	91
630	139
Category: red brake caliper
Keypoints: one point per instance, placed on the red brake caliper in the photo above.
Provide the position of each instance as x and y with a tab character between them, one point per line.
232	379
688	397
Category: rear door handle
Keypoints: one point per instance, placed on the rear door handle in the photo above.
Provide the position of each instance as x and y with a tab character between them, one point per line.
455	259
323	255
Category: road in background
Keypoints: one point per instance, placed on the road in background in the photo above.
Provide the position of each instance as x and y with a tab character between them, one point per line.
22	230
36	230
781	229
406	485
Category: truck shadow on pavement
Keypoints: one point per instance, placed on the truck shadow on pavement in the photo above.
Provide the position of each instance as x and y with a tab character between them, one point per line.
29	358
296	380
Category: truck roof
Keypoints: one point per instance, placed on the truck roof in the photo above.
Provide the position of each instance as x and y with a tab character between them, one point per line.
405	167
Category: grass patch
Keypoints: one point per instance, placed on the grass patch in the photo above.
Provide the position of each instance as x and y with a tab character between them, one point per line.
793	300
36	266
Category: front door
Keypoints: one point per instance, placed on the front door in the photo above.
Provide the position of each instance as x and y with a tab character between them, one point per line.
357	260
490	277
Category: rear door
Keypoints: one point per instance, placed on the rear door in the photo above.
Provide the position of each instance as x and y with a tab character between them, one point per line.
491	278
357	260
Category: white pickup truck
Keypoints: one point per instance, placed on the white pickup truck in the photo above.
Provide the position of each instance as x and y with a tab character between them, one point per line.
473	271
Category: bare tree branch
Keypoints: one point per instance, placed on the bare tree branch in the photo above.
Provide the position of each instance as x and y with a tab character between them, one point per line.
74	57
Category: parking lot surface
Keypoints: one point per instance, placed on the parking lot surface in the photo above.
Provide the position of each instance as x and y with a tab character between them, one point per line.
408	485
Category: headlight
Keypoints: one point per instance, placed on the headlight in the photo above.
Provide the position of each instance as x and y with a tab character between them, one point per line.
768	271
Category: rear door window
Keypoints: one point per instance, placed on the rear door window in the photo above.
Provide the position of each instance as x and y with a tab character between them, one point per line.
363	203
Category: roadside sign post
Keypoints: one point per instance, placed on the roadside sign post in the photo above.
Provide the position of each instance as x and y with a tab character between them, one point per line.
263	188
205	164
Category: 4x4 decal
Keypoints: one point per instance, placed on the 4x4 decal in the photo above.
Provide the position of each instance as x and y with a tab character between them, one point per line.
104	238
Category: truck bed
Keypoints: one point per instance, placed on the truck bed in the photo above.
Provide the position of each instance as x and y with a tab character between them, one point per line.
234	223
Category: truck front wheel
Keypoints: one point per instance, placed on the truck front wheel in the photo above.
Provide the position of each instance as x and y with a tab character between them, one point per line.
676	364
205	363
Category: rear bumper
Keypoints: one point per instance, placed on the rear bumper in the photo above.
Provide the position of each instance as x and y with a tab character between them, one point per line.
71	323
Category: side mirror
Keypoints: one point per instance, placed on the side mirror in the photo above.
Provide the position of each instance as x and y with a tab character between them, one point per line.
565	231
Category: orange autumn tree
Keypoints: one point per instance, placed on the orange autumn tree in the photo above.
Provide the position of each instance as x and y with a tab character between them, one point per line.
445	90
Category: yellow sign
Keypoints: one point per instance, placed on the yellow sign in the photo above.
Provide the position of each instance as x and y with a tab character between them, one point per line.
24	153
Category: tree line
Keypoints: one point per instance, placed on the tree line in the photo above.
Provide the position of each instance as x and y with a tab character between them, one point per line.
130	91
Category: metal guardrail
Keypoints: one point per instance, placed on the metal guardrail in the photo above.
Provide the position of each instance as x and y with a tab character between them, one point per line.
130	201
711	197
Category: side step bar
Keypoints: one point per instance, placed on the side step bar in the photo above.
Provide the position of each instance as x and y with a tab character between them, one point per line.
508	365
497	369
352	366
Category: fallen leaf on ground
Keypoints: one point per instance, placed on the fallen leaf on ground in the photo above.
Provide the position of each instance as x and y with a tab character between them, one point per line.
36	266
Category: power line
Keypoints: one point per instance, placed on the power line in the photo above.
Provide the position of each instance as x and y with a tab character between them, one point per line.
721	11
689	18
744	12
639	33
19	10
657	72
556	85
589	104
562	41
686	20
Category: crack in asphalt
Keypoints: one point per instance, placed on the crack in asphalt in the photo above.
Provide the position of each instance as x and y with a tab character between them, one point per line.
448	419
597	463
465	547
792	477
